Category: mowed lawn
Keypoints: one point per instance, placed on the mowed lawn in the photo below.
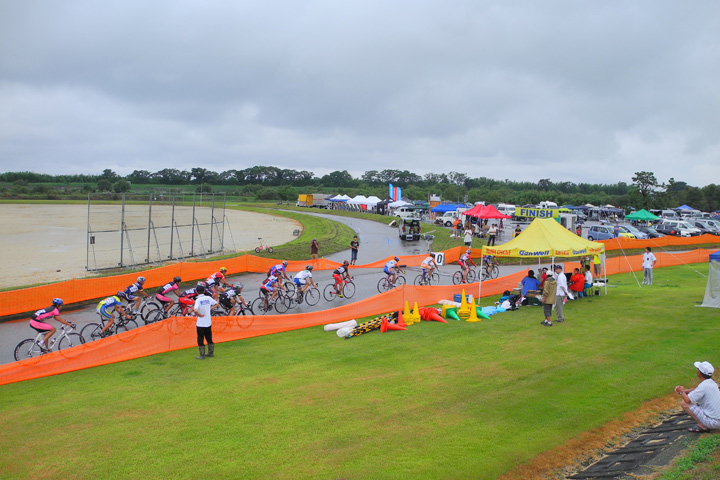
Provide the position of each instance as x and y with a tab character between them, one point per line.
438	401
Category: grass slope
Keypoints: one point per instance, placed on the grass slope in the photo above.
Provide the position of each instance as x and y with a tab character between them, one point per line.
439	401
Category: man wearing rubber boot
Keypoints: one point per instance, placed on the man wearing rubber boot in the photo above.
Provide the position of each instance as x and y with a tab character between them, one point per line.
202	308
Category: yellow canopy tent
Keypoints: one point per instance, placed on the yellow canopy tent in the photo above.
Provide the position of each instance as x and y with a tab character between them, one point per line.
545	237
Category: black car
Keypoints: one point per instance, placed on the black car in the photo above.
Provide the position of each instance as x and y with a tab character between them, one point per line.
651	232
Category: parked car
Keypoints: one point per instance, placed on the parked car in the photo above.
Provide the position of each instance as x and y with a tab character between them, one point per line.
409	229
637	233
677	228
605	232
705	227
651	232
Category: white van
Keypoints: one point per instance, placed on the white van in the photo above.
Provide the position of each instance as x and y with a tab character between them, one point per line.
669	214
547	204
506	208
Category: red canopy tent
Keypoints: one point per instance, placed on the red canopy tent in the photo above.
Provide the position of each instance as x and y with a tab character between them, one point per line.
491	212
475	211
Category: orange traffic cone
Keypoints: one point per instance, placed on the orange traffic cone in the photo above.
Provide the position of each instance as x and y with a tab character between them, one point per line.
386	325
432	314
401	321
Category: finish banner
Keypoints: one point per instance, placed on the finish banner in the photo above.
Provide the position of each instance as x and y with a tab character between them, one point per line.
536	212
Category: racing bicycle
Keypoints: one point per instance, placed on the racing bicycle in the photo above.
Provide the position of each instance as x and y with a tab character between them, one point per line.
386	283
470	276
91	331
30	347
347	289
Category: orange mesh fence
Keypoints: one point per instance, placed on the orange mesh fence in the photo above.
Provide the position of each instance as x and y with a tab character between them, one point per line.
622	243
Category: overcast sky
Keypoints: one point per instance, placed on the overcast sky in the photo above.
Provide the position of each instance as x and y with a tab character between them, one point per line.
582	91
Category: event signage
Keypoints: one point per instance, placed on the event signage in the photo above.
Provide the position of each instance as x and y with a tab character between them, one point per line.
536	212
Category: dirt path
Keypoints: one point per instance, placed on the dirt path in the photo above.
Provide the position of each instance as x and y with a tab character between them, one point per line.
47	243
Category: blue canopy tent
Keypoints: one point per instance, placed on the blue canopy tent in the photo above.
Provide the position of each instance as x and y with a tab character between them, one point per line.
685	207
448	207
712	289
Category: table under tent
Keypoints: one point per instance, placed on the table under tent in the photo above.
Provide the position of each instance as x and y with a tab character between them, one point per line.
546	238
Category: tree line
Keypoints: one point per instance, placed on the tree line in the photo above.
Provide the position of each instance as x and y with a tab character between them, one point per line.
272	183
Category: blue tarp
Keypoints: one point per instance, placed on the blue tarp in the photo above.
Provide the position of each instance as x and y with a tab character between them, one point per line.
715	256
448	207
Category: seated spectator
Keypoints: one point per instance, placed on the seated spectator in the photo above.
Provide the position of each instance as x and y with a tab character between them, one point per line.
588	279
702	403
577	283
530	283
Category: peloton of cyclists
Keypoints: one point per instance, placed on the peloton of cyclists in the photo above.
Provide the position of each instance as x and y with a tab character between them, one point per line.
130	292
464	260
38	321
392	268
339	274
165	290
106	309
301	281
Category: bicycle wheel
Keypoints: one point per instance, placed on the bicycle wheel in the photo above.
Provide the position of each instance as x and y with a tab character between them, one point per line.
270	249
348	290
457	278
383	285
329	292
419	280
495	273
154	317
72	340
312	296
257	249
247	310
435	280
400	280
260	307
290	288
147	307
282	303
91	332
471	276
27	349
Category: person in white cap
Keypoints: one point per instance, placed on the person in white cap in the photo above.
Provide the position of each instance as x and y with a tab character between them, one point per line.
702	403
561	293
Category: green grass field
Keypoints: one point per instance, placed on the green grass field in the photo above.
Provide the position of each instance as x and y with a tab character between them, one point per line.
439	401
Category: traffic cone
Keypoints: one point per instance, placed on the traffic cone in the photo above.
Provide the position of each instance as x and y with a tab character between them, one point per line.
464	310
480	314
473	315
401	321
416	313
407	315
432	314
452	313
387	325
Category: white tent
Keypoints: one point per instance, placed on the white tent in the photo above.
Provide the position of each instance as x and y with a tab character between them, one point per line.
712	289
358	200
399	203
372	200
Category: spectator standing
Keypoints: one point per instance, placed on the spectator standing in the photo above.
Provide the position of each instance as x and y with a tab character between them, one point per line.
457	228
354	245
314	249
543	277
548	298
598	264
560	293
578	230
203	326
518	231
492	233
702	403
648	263
616	230
468	237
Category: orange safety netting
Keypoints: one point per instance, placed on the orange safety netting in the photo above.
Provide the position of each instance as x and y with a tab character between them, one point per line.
622	243
80	290
179	332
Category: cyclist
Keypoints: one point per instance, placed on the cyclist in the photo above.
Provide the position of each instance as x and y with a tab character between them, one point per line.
187	298
279	270
392	268
489	261
162	294
339	274
428	265
103	309
463	262
268	287
38	323
229	298
301	280
129	293
214	282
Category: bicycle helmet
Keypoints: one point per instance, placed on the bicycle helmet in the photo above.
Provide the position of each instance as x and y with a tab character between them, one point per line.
239	286
346	263
223	269
285	263
202	284
468	251
141	279
58	301
397	259
309	267
200	289
177	279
